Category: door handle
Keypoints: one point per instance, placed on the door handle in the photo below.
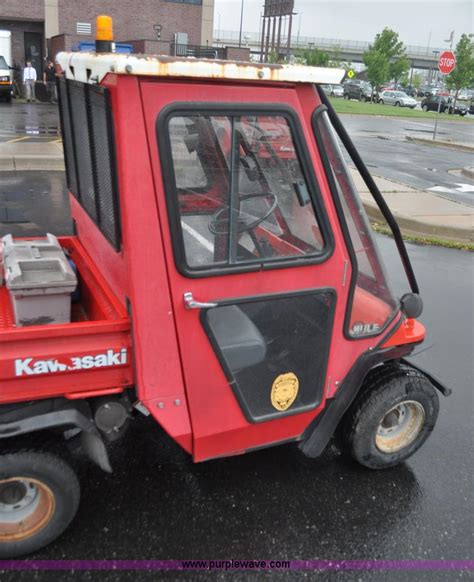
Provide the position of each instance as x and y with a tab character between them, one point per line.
190	303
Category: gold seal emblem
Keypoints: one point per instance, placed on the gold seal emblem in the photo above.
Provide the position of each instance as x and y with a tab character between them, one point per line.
284	391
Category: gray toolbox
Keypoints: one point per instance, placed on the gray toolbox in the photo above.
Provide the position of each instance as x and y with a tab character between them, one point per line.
39	279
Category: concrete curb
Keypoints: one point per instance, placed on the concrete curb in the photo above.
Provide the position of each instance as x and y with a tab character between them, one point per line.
412	227
468	173
446	144
31	162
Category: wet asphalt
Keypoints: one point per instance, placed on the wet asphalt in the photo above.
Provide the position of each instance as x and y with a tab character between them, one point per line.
386	152
275	503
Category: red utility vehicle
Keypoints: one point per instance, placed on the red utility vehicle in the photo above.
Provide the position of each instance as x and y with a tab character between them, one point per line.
230	286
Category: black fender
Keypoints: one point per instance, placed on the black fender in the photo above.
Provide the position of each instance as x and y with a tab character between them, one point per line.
58	413
445	391
322	428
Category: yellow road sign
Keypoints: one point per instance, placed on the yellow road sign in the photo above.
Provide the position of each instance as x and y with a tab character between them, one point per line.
350	73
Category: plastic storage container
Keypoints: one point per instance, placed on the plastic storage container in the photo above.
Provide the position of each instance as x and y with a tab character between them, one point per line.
39	279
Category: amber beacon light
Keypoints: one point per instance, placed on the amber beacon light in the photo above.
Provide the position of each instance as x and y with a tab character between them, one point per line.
104	40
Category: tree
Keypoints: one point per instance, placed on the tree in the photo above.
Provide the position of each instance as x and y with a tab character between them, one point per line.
399	68
388	53
377	68
313	57
417	80
389	44
463	75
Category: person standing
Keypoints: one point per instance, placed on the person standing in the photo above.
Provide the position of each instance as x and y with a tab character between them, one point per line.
29	80
49	78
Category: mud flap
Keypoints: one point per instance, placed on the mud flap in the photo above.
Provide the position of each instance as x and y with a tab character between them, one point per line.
95	449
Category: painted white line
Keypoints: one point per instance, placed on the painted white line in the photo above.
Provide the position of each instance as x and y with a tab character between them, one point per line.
442	189
461	189
465	187
204	242
422	124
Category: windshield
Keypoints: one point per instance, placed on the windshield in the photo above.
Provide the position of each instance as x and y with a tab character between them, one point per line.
373	304
3	63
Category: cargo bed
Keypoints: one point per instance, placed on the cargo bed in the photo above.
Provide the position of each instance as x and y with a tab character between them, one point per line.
90	355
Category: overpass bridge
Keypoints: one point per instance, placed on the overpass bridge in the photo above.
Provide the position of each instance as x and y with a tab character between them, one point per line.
345	50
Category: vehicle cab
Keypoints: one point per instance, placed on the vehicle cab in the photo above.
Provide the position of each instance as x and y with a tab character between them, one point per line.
225	254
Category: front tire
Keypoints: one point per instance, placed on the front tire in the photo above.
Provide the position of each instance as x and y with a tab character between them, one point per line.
39	497
425	108
392	417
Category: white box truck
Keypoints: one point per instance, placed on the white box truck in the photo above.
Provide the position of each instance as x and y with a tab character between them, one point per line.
6	78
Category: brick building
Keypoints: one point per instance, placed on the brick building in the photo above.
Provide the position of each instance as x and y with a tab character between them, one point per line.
41	28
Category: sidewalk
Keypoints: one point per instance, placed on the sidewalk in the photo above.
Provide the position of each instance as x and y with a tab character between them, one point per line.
417	212
22	156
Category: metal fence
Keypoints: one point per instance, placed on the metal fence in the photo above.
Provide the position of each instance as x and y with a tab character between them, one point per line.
200	52
298	41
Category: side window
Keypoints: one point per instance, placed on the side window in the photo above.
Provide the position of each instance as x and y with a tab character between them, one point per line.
372	305
240	191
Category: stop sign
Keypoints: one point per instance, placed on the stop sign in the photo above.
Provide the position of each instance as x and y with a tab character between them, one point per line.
446	62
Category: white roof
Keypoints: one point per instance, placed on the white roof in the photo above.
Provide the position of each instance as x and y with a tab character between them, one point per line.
90	67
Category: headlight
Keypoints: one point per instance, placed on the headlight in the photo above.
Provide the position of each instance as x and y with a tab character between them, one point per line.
4	78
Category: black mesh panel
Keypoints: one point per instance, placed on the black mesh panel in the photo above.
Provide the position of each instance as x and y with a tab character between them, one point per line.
104	160
80	125
67	137
88	137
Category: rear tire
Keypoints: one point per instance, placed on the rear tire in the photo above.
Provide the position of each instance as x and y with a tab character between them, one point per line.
381	101
425	108
397	104
39	497
391	418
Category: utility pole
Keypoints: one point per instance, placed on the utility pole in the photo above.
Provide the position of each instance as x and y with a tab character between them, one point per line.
299	30
241	23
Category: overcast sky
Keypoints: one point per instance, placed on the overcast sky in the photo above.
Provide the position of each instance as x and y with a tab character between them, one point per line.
415	20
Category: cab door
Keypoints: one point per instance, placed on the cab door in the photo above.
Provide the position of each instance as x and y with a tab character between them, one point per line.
253	269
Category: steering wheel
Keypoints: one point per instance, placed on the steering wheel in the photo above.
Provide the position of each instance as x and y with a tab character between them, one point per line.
218	225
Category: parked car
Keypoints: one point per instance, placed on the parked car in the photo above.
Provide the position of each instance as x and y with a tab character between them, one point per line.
409	90
334	90
466	94
427	91
447	105
471	107
397	98
361	90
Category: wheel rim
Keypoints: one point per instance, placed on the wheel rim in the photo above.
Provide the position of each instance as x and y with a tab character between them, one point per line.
26	507
400	426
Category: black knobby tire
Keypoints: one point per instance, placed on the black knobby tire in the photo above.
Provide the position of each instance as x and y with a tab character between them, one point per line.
55	490
388	390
